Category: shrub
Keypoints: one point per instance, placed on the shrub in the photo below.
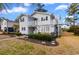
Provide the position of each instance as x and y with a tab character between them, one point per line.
42	37
17	33
73	28
76	32
65	29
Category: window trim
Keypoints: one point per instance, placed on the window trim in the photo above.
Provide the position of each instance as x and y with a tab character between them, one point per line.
22	19
46	18
23	28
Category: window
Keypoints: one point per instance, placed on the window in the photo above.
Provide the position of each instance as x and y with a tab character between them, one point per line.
22	19
44	28
41	18
35	18
47	28
5	23
23	28
46	18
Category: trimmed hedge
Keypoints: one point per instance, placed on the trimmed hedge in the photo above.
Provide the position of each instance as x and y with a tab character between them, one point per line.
42	37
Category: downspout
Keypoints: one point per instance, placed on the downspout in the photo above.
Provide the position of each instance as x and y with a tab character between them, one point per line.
7	26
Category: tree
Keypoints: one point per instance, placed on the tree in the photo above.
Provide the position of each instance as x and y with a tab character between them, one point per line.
73	10
19	17
70	21
39	7
4	6
16	27
1	6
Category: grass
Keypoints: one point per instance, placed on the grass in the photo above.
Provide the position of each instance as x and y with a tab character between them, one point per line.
18	47
68	45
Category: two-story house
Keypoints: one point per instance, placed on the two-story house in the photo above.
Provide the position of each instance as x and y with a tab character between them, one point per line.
7	25
39	22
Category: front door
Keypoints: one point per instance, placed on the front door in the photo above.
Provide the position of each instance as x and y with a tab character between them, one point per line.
31	29
56	30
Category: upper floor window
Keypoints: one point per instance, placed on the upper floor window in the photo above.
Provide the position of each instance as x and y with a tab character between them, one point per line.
46	18
22	19
41	18
35	18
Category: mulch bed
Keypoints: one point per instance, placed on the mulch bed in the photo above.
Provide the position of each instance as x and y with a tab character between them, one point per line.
39	42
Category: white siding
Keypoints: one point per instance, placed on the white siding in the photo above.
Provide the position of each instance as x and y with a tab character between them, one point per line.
40	25
23	24
5	24
39	16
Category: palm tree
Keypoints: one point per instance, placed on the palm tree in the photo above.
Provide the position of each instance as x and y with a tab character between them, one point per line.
69	20
0	6
4	6
73	10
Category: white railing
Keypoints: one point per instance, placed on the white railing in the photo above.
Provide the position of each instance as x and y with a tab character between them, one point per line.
32	23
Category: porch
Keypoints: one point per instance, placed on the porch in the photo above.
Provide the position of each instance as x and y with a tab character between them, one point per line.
31	29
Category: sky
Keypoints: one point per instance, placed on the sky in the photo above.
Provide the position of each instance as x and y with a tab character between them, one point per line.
16	9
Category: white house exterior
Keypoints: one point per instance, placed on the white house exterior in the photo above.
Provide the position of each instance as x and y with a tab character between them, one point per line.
39	22
24	24
5	24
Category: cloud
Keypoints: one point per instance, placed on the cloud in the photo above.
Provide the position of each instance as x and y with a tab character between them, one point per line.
17	9
27	4
3	11
14	10
69	16
47	4
61	7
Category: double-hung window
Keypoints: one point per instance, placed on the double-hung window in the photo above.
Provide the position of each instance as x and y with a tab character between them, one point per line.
23	28
44	19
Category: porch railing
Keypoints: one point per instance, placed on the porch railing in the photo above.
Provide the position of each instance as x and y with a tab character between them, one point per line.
32	23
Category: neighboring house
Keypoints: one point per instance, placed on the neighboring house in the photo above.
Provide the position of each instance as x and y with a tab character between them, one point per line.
43	22
7	25
66	26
